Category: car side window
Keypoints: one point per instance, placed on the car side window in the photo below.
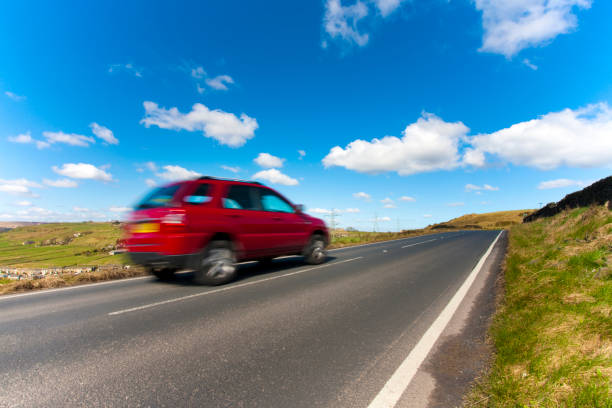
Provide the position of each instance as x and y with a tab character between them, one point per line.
240	197
201	195
271	201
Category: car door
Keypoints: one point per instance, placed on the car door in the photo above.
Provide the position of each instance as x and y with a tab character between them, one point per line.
241	208
289	228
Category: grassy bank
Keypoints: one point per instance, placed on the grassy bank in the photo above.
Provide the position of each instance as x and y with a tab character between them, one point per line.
553	331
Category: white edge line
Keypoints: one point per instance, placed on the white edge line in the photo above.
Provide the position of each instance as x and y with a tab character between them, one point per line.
80	286
385	242
240	285
392	391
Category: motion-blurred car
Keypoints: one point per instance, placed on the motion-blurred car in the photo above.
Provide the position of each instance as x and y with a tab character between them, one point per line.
210	224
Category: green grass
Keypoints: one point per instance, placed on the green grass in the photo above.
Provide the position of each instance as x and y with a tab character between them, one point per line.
553	332
91	248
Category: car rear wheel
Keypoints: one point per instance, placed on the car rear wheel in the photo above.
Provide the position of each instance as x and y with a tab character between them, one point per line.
217	265
315	252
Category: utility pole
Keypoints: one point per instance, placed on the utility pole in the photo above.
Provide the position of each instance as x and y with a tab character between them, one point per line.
332	219
375	222
397	224
540	204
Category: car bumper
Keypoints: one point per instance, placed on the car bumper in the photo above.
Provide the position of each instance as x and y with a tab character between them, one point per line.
157	260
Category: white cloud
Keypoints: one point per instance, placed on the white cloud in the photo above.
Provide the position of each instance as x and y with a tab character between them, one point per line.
407	198
473	157
319	211
72	139
386	200
61	183
129	68
429	144
82	171
230	168
42	145
427	215
510	26
222	126
219	82
362	195
266	160
386	7
486	187
80	209
529	64
574	138
151	166
104	133
200	89
198	72
384	219
302	153
174	173
150	182
340	22
23	203
276	177
22	138
352	210
18	186
119	209
560	183
14	96
459	204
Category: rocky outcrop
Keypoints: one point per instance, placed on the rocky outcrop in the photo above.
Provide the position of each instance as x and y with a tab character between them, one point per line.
597	193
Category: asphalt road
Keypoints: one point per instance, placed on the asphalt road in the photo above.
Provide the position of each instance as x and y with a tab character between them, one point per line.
289	335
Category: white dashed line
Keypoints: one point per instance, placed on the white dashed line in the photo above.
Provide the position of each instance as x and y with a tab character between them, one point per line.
418	243
224	289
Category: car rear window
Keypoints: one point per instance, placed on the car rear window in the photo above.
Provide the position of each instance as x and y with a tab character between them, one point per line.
159	197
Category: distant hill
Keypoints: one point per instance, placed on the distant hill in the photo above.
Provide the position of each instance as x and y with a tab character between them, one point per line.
60	244
4	225
492	220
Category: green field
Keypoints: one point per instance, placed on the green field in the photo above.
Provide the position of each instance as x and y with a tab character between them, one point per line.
54	245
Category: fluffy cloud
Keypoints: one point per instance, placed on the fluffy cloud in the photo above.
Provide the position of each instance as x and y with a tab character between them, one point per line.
302	153
574	138
72	139
150	182
340	22
61	183
386	7
429	144
18	186
362	195
219	82
486	187
174	173
104	133
14	96
510	26
24	203
82	171
198	72
129	68
266	160
230	168
388	203
352	210
407	198
222	126
319	211
276	177
459	204
529	64
560	183
119	209
22	138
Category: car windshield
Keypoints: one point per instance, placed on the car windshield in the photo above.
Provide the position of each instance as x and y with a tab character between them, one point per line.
159	197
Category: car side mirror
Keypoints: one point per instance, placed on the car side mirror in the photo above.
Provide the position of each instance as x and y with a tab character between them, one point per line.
300	208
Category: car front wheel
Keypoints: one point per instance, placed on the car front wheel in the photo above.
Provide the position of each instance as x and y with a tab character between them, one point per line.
217	265
315	252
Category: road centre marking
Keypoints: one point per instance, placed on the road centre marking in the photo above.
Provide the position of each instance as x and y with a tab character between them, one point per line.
393	389
418	243
224	289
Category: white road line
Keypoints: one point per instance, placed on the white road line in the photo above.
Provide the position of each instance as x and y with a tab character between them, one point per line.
392	391
381	242
418	243
240	285
82	286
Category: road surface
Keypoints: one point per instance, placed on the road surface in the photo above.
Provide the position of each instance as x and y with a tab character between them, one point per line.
289	335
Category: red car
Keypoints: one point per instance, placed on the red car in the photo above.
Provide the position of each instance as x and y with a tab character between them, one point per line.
210	224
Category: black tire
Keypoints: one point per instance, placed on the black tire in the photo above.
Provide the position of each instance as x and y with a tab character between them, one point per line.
315	253
163	274
217	264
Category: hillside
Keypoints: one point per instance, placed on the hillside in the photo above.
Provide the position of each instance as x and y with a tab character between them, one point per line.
492	220
60	244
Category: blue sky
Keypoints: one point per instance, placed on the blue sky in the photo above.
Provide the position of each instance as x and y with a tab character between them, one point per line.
405	111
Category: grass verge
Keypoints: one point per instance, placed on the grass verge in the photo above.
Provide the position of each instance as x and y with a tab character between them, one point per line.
553	331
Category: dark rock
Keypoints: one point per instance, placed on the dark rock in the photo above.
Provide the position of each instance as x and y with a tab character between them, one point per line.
597	193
